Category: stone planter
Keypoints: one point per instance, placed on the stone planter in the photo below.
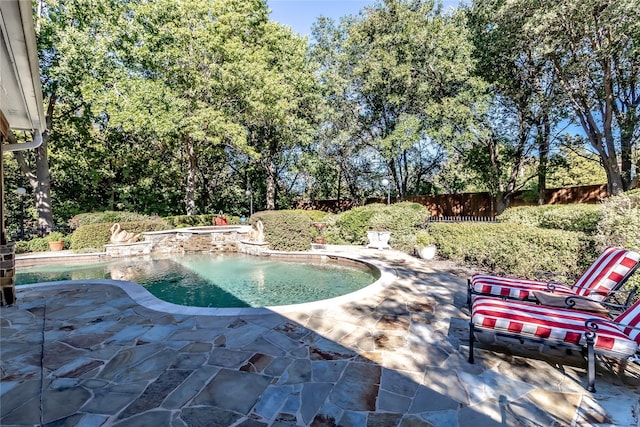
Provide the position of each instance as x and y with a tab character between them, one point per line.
426	252
56	245
379	239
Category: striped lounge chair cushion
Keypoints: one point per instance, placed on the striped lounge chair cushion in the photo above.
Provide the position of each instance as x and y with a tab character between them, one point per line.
631	317
512	288
554	324
605	274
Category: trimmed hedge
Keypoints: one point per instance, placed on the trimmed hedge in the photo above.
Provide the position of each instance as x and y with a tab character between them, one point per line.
181	221
285	230
515	249
350	227
41	244
314	215
93	237
107	217
403	220
581	218
620	223
525	215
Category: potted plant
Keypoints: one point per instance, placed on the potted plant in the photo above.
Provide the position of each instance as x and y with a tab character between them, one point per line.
55	240
425	245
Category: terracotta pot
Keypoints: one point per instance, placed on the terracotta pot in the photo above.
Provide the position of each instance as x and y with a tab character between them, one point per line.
320	239
56	246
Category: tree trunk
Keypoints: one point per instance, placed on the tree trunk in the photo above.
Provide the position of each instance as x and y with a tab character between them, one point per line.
543	148
41	180
271	181
626	154
501	202
190	188
43	188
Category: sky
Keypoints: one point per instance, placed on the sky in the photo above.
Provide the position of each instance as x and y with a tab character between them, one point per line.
301	14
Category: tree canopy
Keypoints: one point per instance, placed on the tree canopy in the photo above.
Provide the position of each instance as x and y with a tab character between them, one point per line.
180	106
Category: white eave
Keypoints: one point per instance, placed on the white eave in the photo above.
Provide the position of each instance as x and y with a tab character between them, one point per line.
20	88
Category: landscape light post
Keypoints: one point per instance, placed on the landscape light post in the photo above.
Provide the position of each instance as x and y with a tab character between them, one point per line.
21	192
250	196
386	183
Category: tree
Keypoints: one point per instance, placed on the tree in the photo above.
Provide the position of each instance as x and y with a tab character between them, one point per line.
523	82
592	47
404	85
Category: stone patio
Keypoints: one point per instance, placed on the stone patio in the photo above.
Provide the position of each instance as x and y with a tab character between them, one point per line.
88	354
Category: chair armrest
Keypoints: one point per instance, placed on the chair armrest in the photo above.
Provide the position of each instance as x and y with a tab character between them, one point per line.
627	301
592	324
551	286
571	302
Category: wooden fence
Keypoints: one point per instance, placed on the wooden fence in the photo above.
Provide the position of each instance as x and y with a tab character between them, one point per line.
471	205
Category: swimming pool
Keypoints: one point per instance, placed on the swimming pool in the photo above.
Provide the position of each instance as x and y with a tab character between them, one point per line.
225	280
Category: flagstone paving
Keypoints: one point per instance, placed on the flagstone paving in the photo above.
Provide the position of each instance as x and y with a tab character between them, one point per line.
87	354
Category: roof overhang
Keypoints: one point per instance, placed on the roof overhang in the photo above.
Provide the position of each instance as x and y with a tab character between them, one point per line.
20	88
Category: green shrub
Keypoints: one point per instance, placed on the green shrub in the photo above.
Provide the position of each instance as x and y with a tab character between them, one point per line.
182	221
37	244
515	249
580	217
106	217
285	230
93	237
575	217
350	227
22	246
314	215
41	244
424	238
54	236
403	220
525	215
620	222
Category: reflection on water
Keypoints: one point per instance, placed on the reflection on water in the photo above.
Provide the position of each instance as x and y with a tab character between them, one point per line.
227	280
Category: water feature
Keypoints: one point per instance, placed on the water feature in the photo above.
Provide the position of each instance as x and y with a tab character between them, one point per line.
221	280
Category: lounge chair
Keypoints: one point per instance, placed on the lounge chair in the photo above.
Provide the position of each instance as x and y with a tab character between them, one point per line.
585	331
606	275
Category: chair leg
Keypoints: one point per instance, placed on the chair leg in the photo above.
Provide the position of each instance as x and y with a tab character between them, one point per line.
471	340
591	363
469	293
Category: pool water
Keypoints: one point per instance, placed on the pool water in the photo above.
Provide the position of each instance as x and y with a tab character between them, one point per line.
228	280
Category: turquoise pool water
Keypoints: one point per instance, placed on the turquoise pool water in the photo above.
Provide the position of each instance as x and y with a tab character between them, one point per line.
228	280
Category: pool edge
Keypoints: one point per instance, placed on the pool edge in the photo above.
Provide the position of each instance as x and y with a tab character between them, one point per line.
147	300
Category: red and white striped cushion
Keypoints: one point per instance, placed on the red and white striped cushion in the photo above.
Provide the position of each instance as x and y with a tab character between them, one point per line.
556	324
631	317
604	275
512	288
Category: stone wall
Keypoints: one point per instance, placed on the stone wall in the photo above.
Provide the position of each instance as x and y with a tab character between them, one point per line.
190	240
7	274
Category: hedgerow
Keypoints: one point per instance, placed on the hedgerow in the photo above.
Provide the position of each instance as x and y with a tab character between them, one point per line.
515	249
93	237
285	230
403	220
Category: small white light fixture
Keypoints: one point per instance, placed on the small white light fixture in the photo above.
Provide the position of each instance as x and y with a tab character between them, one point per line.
386	183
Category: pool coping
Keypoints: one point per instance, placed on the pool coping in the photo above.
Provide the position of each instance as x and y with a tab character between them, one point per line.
146	299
